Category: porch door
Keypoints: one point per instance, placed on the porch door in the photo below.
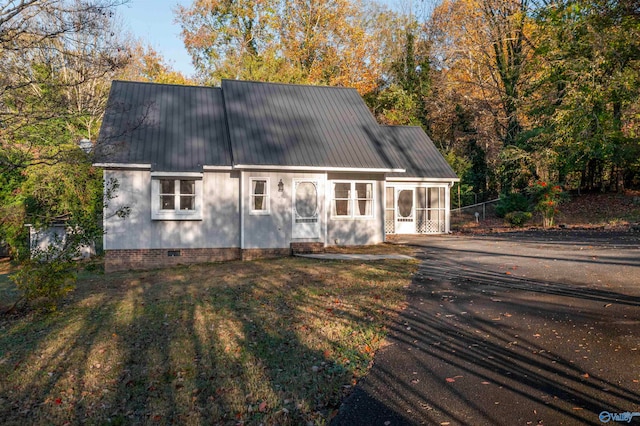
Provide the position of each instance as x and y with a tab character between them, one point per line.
306	211
405	211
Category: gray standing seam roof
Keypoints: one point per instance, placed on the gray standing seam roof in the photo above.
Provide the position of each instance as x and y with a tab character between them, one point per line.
183	128
411	147
171	127
298	125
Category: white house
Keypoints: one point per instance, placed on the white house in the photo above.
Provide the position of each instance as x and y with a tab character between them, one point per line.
259	169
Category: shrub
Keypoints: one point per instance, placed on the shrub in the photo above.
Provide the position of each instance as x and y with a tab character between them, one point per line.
546	198
514	202
518	218
46	277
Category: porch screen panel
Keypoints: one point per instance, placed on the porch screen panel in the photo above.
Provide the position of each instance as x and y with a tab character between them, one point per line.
435	222
389	211
421	210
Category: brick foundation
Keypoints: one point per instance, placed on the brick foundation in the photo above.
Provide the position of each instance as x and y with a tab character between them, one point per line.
307	247
122	260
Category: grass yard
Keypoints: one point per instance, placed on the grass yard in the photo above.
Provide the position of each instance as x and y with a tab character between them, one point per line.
263	342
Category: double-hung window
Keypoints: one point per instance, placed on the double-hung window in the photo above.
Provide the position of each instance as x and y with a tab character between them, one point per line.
353	199
176	198
260	196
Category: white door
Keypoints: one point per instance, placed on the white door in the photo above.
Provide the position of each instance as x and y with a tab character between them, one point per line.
405	211
306	211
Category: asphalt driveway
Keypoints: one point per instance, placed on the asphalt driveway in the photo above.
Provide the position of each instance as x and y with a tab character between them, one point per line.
512	329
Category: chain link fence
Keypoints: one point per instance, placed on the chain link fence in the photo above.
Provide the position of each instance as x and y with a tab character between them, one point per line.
474	212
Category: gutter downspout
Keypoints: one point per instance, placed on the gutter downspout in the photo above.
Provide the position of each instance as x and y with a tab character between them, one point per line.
241	210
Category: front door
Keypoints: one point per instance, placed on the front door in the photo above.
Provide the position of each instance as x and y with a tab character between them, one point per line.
405	211
306	211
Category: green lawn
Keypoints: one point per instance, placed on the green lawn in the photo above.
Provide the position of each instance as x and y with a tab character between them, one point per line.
273	342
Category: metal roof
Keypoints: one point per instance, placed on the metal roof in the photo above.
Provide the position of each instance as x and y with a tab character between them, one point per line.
249	124
171	127
299	125
411	147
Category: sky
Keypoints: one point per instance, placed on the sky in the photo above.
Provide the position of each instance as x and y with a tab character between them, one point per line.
152	21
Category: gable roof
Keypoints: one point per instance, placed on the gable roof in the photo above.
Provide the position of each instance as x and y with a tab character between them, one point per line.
170	127
411	147
298	125
258	125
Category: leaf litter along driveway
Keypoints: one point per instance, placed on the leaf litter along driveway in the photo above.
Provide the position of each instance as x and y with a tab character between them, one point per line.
521	328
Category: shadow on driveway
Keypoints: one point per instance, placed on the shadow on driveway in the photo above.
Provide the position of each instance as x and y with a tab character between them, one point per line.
515	329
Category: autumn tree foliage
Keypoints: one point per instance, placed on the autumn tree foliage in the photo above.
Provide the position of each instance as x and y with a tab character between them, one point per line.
300	41
146	64
547	89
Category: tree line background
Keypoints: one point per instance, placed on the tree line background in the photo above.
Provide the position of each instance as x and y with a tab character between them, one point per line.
511	91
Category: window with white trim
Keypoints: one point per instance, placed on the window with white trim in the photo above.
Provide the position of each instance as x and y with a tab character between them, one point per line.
176	198
260	195
353	199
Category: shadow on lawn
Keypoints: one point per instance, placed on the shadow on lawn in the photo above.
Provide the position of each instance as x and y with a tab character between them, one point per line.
486	348
211	352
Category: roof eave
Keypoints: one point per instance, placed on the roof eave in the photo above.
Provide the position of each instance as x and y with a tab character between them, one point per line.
317	168
123	166
420	179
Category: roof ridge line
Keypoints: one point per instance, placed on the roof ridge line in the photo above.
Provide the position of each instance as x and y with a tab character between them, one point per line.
289	84
153	83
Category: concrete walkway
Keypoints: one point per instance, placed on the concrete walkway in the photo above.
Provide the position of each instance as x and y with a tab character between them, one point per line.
361	257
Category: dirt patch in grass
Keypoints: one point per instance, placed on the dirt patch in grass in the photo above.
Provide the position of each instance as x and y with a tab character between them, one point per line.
273	342
384	248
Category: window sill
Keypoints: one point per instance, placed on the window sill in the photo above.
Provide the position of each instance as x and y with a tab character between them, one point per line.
259	213
176	216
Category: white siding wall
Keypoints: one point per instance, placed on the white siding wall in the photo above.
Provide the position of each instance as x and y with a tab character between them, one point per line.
357	231
274	230
219	227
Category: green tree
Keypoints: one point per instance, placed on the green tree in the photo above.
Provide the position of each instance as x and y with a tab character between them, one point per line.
588	89
56	61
